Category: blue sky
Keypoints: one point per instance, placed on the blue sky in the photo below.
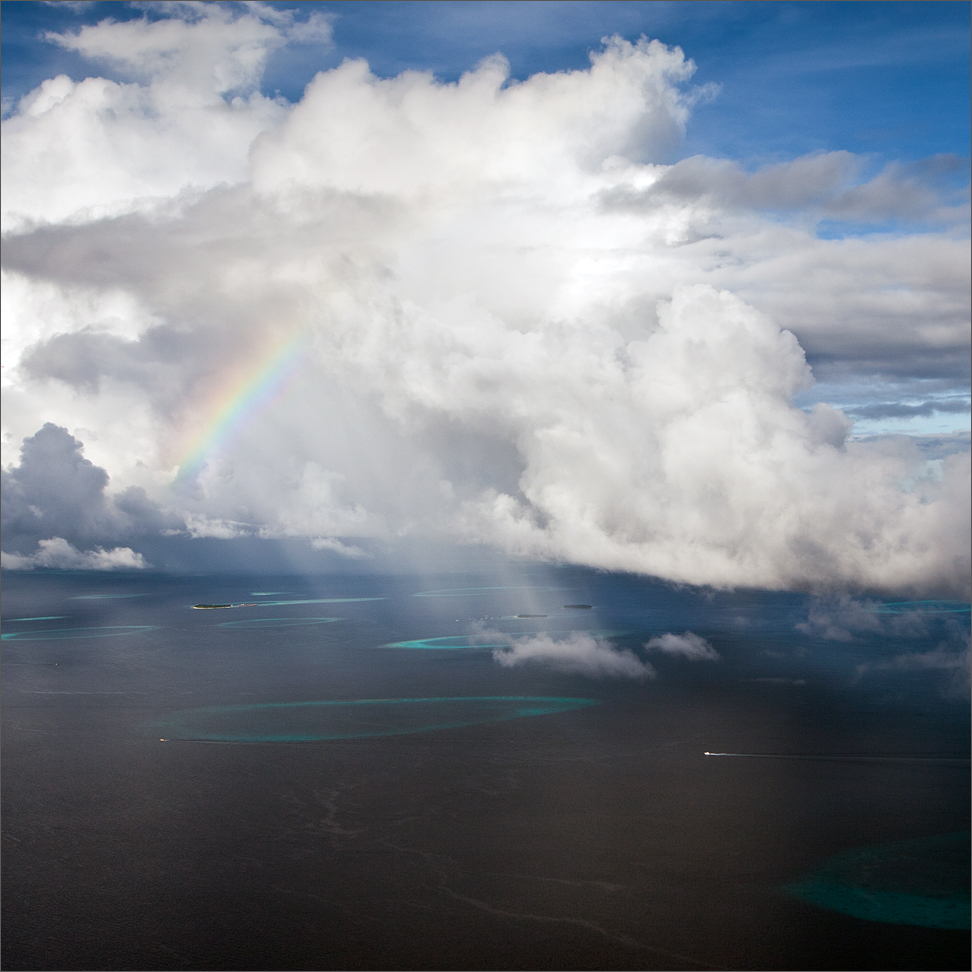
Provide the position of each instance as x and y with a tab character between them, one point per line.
889	80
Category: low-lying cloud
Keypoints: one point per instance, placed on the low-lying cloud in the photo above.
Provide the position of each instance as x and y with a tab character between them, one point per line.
905	410
583	653
847	618
688	645
59	554
578	653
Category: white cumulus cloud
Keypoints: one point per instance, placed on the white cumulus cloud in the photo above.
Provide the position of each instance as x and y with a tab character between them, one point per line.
688	645
56	552
578	653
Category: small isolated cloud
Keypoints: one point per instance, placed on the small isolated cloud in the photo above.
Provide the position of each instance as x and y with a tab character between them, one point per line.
845	619
839	619
78	6
200	47
59	554
204	526
578	654
688	645
344	549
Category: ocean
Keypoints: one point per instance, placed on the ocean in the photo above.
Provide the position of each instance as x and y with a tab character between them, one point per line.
337	773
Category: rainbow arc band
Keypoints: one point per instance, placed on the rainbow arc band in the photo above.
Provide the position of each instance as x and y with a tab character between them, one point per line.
242	403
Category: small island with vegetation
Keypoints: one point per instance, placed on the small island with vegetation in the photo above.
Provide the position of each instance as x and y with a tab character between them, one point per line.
215	607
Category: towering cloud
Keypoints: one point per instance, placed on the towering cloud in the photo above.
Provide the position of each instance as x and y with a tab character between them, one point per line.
479	311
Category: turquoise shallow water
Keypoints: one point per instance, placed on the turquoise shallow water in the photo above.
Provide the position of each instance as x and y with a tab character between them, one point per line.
315	600
921	607
480	591
105	597
353	719
451	643
921	882
61	634
275	622
474	643
43	617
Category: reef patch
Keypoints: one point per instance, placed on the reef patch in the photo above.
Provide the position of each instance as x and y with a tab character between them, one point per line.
320	721
921	882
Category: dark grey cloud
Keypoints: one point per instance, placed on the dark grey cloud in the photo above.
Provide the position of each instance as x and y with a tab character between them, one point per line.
164	363
940	446
903	357
901	410
792	185
918	190
56	493
824	184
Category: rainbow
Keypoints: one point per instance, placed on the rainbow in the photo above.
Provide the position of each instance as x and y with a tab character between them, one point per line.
240	401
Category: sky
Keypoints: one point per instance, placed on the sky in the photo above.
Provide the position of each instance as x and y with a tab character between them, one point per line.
679	289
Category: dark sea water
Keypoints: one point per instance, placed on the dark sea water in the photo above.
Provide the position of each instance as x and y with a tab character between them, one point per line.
339	775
